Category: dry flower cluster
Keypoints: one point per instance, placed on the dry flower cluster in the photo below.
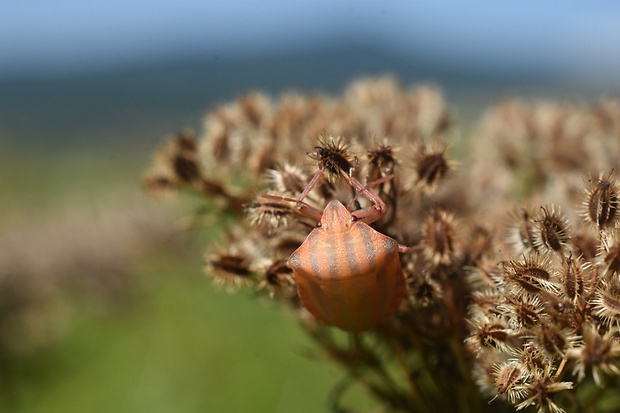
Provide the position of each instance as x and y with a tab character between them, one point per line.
513	284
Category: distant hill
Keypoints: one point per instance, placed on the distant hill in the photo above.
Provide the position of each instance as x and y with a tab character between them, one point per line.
143	104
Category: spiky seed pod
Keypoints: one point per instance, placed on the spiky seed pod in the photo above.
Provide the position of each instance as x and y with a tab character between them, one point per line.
508	376
489	333
176	164
255	107
571	279
269	214
431	166
553	340
230	270
602	202
611	258
277	279
531	357
585	246
422	290
606	305
485	274
332	156
479	244
520	233
531	275
381	160
540	389
287	179
487	303
523	313
440	237
551	230
598	354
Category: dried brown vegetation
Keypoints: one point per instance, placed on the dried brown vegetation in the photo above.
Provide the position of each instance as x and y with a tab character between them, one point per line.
513	293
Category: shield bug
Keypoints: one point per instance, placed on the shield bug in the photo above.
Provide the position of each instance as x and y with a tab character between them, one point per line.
348	274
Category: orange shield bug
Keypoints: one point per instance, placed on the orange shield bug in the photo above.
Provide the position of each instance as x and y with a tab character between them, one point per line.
348	274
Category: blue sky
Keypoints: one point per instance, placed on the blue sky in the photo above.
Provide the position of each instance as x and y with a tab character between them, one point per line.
574	39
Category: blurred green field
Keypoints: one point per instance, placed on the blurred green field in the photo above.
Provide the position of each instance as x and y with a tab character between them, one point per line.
176	343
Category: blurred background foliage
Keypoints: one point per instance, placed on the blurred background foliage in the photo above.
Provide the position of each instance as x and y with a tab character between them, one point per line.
103	306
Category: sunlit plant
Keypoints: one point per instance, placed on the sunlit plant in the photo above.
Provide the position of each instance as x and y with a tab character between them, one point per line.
508	260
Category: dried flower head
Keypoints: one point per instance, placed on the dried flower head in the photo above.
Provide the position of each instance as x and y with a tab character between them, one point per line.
551	230
606	304
531	275
552	340
598	354
520	233
268	213
572	279
277	278
602	201
288	179
489	333
431	165
440	237
230	270
540	388
508	379
523	313
381	160
332	156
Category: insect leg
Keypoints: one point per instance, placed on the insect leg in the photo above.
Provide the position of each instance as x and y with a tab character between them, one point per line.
318	177
374	212
302	207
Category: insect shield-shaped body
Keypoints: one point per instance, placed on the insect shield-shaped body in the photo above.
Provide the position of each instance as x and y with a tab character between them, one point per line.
348	274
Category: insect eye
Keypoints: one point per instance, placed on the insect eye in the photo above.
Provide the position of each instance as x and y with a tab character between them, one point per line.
354	218
318	224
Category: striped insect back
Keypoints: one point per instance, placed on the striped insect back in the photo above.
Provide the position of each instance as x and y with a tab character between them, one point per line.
348	274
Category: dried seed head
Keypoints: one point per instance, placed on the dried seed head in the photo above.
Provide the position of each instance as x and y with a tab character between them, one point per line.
288	179
606	305
508	376
381	160
269	214
484	274
277	279
585	246
540	388
598	354
422	290
520	233
552	340
176	164
332	156
572	279
487	303
529	276
478	245
431	166
602	202
523	313
183	153
255	107
440	243
489	333
551	230
611	257
532	358
230	270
